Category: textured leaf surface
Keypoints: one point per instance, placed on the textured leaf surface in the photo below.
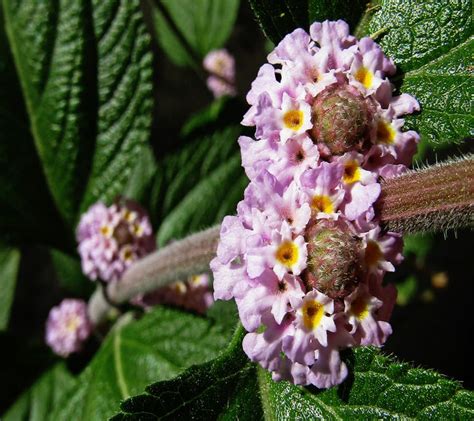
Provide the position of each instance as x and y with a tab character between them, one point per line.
278	18
187	30
159	346
9	265
379	388
85	71
200	184
21	179
38	401
429	41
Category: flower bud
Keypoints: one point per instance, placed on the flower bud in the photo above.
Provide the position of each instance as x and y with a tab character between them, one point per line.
333	259
342	119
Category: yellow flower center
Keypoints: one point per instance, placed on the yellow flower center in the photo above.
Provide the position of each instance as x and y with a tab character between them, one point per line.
312	314
137	229
364	76
373	254
127	254
293	119
287	254
322	203
129	215
360	308
106	230
72	324
385	132
351	172
180	287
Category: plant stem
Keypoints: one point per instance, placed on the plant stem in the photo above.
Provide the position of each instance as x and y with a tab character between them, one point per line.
433	199
176	261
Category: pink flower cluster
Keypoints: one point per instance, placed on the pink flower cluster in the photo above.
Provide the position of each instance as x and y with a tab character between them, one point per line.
113	238
221	66
193	294
68	327
305	256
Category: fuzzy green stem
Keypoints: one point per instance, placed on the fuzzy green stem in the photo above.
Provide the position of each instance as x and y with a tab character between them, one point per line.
436	198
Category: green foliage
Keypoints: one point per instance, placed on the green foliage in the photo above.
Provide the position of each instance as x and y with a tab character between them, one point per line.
230	387
159	346
38	401
69	274
278	18
199	184
430	42
85	71
9	265
187	30
21	180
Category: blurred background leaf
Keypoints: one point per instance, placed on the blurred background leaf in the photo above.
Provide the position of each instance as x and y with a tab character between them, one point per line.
187	30
9	265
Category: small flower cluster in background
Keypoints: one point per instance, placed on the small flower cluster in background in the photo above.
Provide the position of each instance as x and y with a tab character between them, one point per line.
111	239
68	327
305	256
221	67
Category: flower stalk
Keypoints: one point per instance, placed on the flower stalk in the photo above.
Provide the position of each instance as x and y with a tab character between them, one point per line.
436	198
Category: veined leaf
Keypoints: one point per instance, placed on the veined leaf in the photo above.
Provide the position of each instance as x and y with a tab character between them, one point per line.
85	70
9	265
200	184
430	42
278	18
21	179
160	345
38	401
187	30
230	387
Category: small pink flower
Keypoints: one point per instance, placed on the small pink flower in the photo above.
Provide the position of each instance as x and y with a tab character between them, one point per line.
68	327
361	309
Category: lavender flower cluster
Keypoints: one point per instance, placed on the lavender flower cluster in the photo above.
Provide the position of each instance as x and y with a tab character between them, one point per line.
112	238
305	256
221	67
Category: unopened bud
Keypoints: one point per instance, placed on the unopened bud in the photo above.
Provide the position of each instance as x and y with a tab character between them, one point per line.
342	119
333	259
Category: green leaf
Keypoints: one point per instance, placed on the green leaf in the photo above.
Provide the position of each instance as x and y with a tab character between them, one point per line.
200	184
141	179
38	401
187	30
430	42
70	276
278	18
21	179
159	346
230	387
9	265
350	11
85	71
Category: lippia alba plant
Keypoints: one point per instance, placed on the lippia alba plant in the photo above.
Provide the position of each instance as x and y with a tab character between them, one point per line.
296	249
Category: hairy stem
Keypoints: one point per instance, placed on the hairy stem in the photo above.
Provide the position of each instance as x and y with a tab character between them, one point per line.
174	262
436	198
433	199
